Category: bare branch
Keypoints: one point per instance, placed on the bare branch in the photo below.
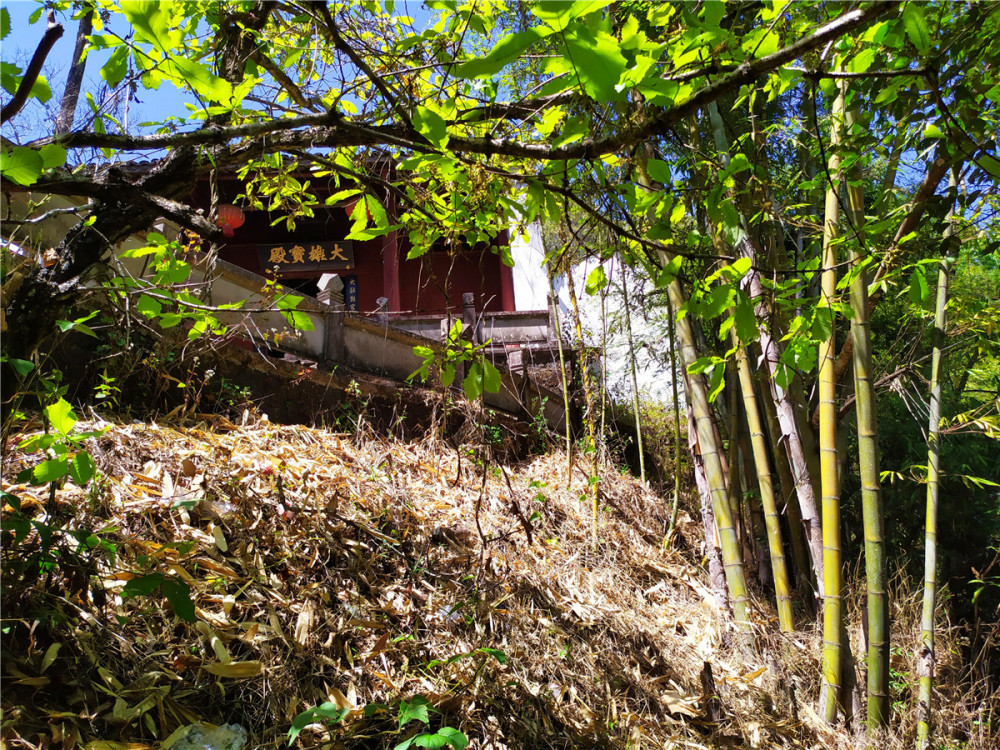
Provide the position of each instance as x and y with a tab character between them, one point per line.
52	33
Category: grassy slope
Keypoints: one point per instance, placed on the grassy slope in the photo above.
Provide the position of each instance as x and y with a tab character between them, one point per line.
353	569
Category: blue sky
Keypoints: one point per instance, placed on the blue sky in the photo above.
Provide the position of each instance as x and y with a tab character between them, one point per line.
18	47
35	120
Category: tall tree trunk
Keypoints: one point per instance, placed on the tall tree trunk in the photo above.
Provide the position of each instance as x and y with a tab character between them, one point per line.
925	654
871	490
832	613
71	94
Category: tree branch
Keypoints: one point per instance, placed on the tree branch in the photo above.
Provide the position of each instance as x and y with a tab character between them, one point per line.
284	81
52	33
382	86
327	130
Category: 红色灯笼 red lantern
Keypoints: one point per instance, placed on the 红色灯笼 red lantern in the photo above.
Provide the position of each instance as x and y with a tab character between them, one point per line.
230	218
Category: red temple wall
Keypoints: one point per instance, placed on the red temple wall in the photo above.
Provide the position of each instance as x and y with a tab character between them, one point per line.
478	271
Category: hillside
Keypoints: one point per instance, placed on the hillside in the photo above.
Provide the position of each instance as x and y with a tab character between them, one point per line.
362	571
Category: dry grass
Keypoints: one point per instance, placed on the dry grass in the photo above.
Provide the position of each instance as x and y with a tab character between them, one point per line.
351	569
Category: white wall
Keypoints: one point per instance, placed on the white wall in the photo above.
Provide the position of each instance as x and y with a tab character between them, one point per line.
531	288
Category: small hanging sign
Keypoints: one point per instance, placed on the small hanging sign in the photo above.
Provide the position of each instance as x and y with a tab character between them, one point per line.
350	292
312	256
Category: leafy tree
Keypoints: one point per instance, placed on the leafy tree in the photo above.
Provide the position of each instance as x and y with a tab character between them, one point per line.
555	111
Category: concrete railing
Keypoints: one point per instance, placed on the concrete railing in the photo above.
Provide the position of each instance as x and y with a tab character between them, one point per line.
336	336
339	337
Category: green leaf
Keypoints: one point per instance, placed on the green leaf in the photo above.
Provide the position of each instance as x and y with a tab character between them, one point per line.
202	80
862	61
598	61
10	77
491	377
342	195
12	500
178	594
21	366
142	585
416	708
41	90
298	320
49	471
659	170
918	286
53	155
718	381
677	213
558	14
503	51
669	272
149	22
116	68
473	382
933	131
596	281
915	24
716	301
82	468
21	165
35	443
431	126
172	271
445	736
377	211
991	164
148	306
4	23
60	416
447	374
328	711
139	252
746	321
288	302
496	653
78	325
703	363
761	42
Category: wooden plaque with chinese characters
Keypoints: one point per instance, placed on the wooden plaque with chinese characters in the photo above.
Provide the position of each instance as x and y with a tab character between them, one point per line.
307	256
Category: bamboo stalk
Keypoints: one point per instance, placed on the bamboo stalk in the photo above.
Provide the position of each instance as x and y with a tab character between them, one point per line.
635	379
758	443
707	441
832	612
731	556
871	490
565	380
925	654
588	401
677	424
787	402
790	503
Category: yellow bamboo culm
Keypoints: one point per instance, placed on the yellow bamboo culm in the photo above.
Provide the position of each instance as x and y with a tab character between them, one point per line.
871	490
832	612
